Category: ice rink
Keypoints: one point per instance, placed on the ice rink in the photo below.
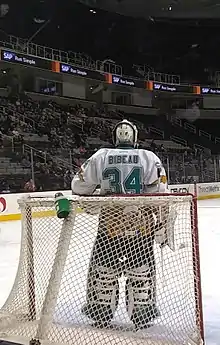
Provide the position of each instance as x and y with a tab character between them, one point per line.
209	233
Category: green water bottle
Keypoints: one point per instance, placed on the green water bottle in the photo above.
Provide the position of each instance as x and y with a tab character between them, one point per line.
62	205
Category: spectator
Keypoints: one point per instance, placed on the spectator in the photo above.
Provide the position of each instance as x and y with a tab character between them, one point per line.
153	146
29	186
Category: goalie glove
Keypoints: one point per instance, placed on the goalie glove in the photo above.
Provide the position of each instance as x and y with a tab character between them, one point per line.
164	232
160	234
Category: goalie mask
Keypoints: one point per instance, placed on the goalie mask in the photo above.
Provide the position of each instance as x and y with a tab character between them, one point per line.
125	133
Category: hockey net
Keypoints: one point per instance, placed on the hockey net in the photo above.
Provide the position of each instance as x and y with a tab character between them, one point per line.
61	291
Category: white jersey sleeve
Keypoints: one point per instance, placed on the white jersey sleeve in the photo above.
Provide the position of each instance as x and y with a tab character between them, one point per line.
121	171
155	179
88	177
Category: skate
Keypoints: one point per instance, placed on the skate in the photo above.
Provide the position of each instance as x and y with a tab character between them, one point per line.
143	317
100	314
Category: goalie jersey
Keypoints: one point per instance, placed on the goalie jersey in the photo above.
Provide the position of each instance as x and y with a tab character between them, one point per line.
121	171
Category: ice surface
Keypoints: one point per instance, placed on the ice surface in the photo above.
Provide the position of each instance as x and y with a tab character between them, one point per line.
10	237
209	236
209	233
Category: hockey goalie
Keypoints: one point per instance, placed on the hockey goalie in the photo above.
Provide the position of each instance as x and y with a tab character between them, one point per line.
125	239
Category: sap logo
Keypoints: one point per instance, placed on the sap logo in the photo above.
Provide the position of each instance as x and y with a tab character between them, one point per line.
116	79
205	90
2	204
157	86
8	56
65	68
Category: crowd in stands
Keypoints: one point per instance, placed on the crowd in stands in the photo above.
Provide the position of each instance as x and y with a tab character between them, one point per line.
45	143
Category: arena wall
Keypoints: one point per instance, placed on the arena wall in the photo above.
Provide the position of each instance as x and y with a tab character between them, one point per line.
9	208
203	190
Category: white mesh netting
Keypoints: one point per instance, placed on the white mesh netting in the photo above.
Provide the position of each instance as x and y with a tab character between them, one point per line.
101	277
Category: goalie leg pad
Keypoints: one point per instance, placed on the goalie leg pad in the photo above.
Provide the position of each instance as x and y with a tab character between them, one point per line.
102	294
102	280
141	295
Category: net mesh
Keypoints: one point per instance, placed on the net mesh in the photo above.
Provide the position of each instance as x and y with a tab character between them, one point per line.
117	270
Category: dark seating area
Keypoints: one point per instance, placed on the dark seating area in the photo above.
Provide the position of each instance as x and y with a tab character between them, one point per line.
46	141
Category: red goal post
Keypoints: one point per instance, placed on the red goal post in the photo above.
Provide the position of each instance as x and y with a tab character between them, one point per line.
50	289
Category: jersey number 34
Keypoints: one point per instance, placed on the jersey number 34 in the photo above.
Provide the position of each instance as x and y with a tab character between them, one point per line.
131	184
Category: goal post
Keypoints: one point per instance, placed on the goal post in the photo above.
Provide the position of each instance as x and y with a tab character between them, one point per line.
102	276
